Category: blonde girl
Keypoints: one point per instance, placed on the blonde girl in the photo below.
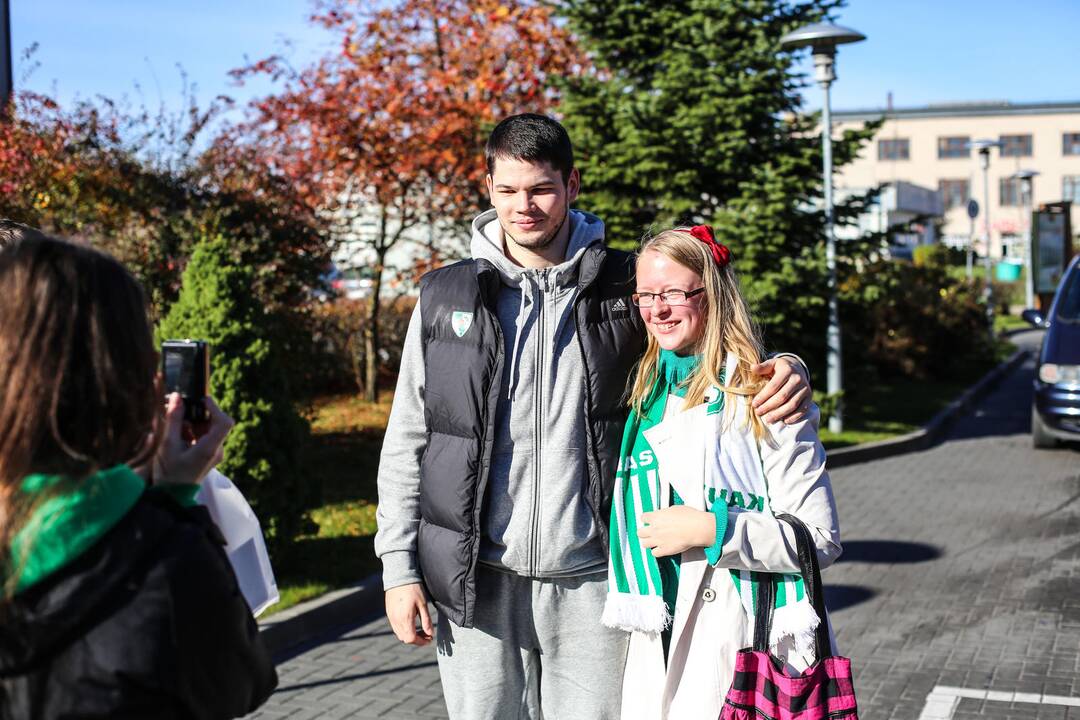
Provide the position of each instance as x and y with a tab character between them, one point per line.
700	477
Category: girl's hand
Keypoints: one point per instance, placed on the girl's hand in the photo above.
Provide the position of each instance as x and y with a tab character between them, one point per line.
183	458
675	529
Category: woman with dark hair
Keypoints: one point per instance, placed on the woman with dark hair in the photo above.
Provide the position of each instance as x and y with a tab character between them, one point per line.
118	600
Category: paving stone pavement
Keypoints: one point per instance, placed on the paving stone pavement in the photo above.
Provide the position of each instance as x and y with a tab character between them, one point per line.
961	569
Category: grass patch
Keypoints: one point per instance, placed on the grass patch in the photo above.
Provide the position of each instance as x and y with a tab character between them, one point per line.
1003	323
347	435
887	409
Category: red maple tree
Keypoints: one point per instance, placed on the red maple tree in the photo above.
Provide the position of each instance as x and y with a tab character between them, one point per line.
389	129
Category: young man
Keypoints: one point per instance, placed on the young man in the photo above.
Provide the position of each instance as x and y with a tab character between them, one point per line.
496	473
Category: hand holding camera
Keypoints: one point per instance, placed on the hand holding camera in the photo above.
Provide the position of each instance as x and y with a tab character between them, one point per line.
183	458
195	427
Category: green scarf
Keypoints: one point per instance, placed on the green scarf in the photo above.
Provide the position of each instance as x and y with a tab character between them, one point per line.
637	583
72	516
641	586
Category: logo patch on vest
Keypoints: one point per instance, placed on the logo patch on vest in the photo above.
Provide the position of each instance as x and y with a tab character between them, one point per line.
620	305
461	322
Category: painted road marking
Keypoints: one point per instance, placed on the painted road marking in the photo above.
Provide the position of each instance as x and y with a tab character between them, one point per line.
943	700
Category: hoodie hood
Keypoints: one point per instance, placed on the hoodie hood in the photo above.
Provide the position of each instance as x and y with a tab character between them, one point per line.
489	243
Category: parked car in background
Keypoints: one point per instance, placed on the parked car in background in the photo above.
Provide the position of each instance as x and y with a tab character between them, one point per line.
1055	412
350	283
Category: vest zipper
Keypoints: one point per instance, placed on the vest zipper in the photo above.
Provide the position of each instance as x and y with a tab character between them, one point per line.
594	493
490	401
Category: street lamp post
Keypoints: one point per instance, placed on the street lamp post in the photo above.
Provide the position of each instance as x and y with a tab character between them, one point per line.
1026	200
984	146
822	39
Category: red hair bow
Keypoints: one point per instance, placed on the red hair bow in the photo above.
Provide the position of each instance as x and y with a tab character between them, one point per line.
720	253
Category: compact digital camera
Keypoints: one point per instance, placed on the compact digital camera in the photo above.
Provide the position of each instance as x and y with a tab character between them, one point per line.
185	365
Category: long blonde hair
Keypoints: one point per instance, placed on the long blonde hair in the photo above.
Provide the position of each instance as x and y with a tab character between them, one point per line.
729	328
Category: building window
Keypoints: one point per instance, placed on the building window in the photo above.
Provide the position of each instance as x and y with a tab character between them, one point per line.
953	147
954	193
1070	188
1010	192
1070	143
895	149
1015	145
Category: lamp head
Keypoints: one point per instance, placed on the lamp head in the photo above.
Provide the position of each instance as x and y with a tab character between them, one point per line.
1025	176
822	39
983	148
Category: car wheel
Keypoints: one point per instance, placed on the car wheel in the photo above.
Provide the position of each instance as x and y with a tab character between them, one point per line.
1040	438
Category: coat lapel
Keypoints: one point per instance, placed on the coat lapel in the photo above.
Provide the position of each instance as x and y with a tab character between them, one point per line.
676	442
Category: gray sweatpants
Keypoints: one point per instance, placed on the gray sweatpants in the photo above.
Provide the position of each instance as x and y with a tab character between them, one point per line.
538	651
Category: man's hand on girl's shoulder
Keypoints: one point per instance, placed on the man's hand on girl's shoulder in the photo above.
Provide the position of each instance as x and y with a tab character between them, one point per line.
787	395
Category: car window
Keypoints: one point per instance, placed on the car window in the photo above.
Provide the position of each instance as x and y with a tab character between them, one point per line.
1069	304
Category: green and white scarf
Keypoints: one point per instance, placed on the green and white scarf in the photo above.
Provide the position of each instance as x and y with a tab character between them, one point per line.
733	476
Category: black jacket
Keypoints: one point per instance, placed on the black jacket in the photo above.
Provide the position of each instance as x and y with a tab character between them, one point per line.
148	623
462	377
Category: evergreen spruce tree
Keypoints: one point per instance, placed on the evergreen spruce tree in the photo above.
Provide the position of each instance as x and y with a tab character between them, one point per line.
692	115
263	452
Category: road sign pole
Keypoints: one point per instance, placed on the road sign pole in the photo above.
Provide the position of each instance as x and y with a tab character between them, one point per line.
973	212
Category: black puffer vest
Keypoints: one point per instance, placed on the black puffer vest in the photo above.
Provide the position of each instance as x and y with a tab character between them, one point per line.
462	381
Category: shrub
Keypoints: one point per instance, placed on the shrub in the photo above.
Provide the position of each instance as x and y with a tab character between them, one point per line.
937	255
914	321
263	452
339	341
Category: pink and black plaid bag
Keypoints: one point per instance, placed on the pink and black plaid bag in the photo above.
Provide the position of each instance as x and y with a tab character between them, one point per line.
762	689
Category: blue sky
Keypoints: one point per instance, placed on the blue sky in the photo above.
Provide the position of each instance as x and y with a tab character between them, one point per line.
924	51
111	47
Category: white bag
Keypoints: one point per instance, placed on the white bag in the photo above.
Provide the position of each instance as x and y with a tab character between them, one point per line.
244	540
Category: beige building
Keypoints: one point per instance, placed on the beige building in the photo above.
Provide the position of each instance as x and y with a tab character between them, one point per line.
929	147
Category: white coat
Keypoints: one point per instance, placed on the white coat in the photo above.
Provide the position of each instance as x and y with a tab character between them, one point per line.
710	624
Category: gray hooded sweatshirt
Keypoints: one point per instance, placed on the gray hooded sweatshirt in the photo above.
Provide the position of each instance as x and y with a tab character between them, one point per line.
536	521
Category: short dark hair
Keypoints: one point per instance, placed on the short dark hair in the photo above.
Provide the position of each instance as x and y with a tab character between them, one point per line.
11	232
532	138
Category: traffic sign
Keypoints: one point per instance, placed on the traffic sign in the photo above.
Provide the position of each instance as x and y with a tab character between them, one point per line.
973	209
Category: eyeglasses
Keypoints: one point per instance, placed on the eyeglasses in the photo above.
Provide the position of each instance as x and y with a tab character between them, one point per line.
669	297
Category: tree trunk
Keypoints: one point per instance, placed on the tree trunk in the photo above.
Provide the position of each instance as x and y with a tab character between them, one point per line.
356	354
371	333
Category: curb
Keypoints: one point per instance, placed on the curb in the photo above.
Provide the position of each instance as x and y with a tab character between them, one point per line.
931	433
318	616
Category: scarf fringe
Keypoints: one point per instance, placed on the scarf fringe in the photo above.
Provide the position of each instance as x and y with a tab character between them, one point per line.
792	631
636	613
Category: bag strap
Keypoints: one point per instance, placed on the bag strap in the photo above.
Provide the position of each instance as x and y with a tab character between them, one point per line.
811	573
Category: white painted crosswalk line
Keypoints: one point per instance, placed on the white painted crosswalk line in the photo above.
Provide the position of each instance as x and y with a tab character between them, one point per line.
943	700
